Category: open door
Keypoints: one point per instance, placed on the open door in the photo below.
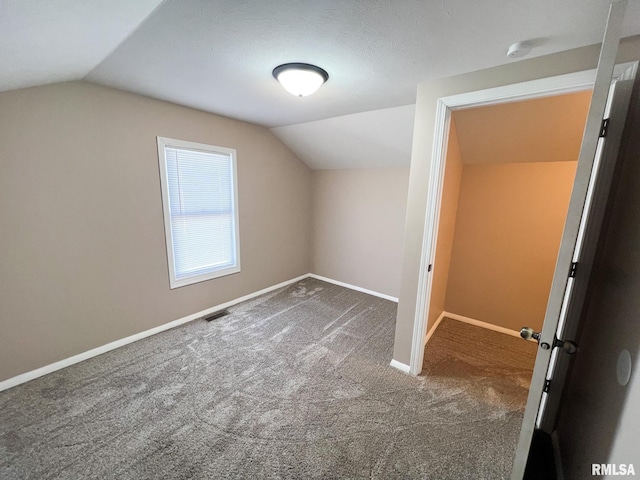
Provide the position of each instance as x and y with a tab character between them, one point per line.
581	230
588	236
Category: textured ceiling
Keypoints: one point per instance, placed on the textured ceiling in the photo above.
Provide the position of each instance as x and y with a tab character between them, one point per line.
59	40
217	55
541	130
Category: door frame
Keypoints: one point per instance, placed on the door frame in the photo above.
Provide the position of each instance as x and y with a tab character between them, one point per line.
544	87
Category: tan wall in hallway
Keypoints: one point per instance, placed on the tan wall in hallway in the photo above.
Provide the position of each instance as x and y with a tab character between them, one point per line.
83	258
508	229
358	222
446	227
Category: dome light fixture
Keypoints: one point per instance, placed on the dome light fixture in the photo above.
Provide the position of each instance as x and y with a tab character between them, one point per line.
300	79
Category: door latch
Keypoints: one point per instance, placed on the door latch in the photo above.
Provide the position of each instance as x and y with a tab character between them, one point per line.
566	345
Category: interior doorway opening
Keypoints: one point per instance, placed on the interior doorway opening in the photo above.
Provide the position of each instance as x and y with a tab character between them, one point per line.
508	174
602	134
445	108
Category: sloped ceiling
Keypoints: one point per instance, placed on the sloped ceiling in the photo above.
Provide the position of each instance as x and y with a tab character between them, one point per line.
217	55
541	130
59	40
379	138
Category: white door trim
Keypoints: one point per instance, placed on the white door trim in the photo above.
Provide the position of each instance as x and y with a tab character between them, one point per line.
558	85
544	87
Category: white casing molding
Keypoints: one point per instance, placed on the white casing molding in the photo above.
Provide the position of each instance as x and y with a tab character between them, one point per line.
544	87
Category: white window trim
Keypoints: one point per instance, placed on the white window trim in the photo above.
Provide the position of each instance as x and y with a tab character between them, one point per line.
164	184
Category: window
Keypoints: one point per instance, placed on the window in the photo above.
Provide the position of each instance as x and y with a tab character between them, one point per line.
199	199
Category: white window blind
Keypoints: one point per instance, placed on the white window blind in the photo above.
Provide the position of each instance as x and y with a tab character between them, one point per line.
200	210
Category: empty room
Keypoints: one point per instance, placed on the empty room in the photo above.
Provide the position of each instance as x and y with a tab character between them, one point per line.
300	239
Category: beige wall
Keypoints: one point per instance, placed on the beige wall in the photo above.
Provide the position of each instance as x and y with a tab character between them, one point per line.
508	230
446	227
427	96
358	220
83	252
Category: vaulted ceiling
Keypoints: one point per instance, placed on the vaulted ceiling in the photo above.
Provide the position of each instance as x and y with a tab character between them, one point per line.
217	55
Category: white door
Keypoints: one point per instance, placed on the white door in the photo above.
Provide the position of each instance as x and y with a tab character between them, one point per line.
561	299
584	253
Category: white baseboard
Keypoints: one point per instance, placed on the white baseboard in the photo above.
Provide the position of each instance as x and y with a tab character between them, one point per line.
400	366
353	287
433	328
479	323
38	372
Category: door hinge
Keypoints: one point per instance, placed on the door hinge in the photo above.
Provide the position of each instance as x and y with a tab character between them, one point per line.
547	386
604	128
574	269
430	267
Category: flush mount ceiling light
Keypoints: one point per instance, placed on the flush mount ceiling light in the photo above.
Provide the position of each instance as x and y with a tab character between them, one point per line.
300	79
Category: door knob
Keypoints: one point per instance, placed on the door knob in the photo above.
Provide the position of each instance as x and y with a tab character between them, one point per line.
566	345
527	333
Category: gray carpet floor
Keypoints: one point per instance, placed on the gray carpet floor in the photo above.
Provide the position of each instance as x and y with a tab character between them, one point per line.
293	384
